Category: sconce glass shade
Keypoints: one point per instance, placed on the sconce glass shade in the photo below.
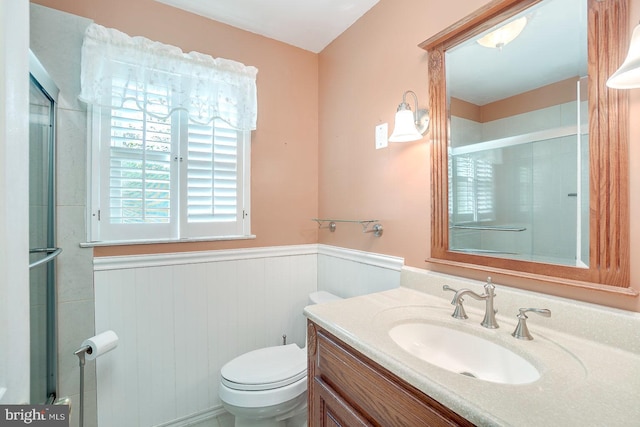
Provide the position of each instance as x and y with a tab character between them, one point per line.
504	35
409	126
628	75
405	127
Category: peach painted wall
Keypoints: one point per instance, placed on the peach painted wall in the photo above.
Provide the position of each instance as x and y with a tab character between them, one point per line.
284	169
362	76
536	99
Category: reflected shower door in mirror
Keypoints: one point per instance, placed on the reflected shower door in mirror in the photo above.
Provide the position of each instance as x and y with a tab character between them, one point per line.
518	157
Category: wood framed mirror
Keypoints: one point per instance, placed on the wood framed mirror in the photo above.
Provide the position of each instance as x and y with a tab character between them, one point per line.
605	256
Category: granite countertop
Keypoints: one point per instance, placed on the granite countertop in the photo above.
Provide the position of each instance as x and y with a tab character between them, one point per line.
583	382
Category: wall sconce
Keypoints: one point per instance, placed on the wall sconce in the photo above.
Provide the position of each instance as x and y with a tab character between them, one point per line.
409	126
628	75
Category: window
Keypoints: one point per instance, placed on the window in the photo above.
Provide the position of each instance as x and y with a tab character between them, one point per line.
471	191
170	153
167	178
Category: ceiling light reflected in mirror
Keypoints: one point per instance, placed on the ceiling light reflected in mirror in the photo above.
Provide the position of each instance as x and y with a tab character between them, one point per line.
504	35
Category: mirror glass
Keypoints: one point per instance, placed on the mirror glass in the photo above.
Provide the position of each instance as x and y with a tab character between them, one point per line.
518	149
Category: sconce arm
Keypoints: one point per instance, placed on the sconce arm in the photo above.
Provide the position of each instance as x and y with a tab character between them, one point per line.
420	115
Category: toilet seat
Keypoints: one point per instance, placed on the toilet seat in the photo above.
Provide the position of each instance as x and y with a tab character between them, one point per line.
266	368
264	377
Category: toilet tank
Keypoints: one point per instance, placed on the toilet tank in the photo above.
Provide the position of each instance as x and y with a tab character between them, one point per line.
320	297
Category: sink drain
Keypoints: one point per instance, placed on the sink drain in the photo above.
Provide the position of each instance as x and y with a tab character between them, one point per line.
469	374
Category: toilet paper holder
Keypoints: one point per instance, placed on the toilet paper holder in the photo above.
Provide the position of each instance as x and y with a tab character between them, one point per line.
81	353
93	347
86	349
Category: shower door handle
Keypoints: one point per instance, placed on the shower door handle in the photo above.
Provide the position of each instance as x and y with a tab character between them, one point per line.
51	254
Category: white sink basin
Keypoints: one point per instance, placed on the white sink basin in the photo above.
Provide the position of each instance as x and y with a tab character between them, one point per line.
463	353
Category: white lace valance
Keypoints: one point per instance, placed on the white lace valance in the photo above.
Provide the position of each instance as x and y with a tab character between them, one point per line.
160	78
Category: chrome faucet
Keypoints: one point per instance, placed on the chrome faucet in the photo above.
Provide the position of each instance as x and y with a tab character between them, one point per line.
489	320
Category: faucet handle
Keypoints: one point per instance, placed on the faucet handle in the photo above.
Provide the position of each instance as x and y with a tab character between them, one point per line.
545	312
458	312
522	332
448	288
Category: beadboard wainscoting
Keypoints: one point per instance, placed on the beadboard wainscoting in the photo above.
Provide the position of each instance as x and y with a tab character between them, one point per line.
349	273
181	317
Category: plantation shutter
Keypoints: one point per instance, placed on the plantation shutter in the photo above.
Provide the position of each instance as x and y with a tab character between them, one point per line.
463	197
472	188
484	190
213	193
140	187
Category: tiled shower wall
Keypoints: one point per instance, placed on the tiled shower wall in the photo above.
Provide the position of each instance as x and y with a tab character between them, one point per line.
56	38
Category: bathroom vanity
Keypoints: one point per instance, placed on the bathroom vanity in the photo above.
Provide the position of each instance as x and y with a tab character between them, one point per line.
349	389
581	367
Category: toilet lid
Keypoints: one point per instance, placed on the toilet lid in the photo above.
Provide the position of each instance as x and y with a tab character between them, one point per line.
266	368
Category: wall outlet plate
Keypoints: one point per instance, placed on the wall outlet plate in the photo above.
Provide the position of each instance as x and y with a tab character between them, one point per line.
382	139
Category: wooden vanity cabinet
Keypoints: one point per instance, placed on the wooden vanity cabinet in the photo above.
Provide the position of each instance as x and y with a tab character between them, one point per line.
347	389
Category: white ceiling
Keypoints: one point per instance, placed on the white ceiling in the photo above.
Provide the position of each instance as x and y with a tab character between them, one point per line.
552	47
307	24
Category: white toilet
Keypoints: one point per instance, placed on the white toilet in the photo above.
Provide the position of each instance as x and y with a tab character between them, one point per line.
267	387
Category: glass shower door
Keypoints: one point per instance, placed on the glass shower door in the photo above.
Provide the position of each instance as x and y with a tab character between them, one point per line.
42	244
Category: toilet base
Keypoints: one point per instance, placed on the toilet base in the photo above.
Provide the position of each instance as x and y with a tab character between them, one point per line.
245	422
292	413
299	420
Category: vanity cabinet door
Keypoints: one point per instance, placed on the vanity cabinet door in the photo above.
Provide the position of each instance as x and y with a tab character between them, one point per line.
332	410
348	389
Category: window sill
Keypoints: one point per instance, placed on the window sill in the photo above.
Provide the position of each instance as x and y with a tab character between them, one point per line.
153	242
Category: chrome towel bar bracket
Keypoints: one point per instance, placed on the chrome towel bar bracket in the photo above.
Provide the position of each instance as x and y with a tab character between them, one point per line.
376	228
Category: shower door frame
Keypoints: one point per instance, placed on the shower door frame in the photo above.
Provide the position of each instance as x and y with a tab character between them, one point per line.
39	76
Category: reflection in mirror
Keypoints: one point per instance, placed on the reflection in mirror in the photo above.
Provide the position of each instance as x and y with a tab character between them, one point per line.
518	159
529	148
